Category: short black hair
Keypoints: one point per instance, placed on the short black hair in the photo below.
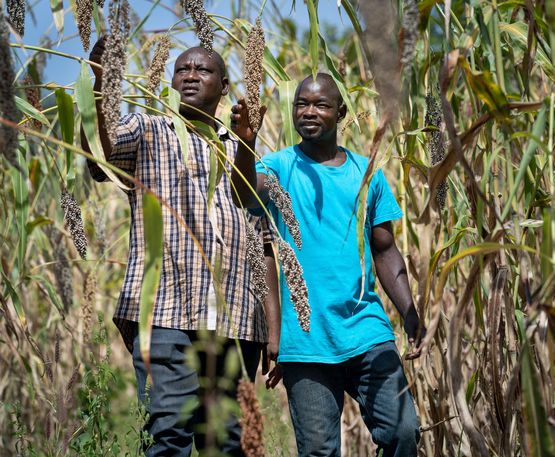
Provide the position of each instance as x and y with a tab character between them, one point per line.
214	55
327	79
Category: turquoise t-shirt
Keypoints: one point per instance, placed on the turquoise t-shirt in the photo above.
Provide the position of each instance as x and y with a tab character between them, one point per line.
323	199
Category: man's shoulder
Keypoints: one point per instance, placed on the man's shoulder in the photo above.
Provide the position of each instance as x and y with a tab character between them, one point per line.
283	154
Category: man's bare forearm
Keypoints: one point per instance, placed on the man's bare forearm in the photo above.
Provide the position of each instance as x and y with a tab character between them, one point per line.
271	304
244	165
392	274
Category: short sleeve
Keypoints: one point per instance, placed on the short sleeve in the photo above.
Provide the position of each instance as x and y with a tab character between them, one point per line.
124	152
382	206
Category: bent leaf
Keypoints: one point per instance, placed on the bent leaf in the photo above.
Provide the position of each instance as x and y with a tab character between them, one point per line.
84	96
174	100
286	91
67	126
153	240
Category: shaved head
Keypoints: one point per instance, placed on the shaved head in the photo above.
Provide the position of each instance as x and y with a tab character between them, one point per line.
327	82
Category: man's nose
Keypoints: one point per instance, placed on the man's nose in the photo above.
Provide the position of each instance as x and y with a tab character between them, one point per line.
190	75
309	111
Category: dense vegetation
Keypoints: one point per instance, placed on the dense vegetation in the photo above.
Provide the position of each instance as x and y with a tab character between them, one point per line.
454	99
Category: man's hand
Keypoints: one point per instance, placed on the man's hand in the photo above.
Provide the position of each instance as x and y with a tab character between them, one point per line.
415	332
269	355
96	56
240	121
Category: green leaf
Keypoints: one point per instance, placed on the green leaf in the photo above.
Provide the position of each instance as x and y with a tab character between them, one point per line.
274	65
154	241
21	191
487	90
217	156
32	225
84	96
51	291
313	36
57	7
286	91
26	108
339	81
174	100
537	131
15	299
540	438
67	126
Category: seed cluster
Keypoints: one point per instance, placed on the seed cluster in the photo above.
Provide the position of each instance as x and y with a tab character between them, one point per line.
114	62
74	222
33	97
100	229
158	64
282	200
255	257
100	3
205	34
436	143
84	17
411	18
252	422
293	273
360	117
64	279
16	12
89	293
252	73
8	109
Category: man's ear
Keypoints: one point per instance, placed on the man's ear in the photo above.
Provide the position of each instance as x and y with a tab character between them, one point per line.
342	112
225	85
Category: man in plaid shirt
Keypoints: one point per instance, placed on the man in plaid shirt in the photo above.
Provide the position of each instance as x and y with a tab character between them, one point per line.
148	148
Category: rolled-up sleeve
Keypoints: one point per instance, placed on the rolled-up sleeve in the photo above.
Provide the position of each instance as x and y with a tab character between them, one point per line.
263	227
124	152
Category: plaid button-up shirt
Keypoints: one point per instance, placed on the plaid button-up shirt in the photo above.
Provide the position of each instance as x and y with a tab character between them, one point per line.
148	148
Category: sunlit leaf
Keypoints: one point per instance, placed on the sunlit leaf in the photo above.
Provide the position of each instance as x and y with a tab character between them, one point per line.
153	242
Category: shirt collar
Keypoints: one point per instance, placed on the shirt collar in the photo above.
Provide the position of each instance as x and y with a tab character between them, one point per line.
222	130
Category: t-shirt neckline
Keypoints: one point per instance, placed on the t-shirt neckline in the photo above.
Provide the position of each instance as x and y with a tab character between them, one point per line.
311	161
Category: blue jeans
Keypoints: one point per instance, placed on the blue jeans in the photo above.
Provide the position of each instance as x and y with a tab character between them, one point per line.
375	380
174	399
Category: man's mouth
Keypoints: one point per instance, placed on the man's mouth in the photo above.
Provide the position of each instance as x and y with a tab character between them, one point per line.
189	90
309	125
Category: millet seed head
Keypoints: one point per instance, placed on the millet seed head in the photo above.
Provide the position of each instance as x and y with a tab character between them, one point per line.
114	62
8	108
84	17
158	64
282	200
252	421
296	284
205	34
252	73
74	222
257	263
16	12
411	18
436	142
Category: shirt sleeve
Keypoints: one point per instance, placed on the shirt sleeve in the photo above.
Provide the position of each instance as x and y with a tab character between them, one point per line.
382	206
124	152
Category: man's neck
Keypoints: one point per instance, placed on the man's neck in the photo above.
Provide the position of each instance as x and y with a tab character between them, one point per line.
201	117
326	153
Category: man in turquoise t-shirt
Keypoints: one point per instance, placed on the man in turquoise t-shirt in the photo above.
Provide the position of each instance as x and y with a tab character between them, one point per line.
350	346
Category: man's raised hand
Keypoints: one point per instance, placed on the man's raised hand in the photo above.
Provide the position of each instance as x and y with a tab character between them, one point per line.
96	56
240	121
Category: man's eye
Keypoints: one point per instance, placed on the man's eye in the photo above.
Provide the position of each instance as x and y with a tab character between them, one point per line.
322	105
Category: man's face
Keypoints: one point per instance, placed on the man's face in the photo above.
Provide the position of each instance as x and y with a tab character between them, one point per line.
199	80
317	110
